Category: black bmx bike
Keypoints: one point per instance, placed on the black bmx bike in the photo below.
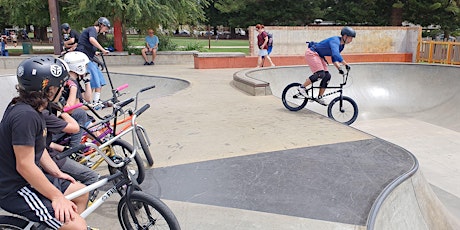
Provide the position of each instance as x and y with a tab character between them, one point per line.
342	108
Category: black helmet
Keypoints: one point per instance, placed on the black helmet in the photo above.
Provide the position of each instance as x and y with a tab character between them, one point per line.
348	31
104	21
39	73
65	26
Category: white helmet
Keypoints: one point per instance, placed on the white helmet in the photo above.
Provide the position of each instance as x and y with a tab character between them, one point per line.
77	62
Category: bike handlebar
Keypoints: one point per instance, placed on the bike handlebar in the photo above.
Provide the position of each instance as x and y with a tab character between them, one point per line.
142	109
68	152
66	109
122	87
147	88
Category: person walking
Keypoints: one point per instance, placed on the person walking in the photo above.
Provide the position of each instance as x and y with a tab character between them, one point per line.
262	43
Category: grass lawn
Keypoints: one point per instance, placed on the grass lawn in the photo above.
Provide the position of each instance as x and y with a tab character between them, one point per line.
221	45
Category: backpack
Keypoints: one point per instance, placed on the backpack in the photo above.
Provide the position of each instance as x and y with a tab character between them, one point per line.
270	39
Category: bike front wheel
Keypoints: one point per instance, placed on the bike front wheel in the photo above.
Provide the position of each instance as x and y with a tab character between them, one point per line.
344	111
121	149
150	212
145	147
292	99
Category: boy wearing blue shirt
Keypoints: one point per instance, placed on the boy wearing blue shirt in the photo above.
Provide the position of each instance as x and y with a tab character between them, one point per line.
316	59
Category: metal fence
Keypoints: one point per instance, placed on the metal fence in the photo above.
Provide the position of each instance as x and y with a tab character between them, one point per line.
439	52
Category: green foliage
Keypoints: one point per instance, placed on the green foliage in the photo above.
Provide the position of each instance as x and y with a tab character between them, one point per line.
193	46
166	43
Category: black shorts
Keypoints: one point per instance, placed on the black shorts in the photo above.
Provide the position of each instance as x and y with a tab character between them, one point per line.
34	206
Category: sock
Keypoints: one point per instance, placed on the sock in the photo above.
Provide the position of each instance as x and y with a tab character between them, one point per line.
96	96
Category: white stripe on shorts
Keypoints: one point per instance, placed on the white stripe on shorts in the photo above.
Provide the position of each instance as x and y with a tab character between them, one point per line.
40	209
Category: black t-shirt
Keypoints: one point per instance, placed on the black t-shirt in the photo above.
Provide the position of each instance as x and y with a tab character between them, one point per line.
21	125
74	34
54	125
84	45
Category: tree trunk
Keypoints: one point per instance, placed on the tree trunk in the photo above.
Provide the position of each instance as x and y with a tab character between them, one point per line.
396	16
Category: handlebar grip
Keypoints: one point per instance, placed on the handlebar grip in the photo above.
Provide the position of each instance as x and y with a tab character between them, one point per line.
66	109
125	102
122	87
147	88
70	151
141	110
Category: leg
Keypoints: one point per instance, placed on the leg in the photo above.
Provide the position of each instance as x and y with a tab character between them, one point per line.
154	55
144	54
97	80
270	60
324	82
259	61
80	201
80	172
82	118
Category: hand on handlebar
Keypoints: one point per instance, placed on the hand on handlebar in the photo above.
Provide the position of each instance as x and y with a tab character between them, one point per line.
341	71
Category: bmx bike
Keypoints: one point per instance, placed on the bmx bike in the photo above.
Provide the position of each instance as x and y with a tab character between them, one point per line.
342	108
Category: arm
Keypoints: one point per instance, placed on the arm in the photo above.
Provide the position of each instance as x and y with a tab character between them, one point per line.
96	44
72	99
72	125
88	94
65	210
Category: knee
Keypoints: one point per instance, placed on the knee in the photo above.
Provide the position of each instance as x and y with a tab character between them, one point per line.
316	75
326	79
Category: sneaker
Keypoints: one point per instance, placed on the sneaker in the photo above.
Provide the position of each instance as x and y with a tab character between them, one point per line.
321	101
146	63
151	63
303	91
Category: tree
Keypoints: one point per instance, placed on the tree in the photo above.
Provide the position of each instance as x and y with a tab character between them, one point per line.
30	12
141	14
445	13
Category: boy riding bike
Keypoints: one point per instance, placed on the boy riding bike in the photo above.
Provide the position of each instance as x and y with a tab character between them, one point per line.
316	54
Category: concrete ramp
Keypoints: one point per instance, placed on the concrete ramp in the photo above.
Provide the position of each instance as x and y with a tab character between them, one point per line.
7	90
414	106
413	205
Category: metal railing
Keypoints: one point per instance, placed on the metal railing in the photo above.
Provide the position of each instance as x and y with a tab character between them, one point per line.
439	52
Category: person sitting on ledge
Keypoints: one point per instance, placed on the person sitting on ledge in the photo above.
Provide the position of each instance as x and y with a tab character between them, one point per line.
151	47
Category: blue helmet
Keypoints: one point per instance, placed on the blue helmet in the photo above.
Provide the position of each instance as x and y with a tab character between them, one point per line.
65	26
104	21
348	31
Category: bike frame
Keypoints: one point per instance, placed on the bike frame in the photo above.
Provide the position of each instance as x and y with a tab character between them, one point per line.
97	203
344	82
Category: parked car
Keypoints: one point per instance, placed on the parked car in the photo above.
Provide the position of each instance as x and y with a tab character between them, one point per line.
440	37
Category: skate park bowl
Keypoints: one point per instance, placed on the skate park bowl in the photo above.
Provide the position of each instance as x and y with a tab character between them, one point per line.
414	106
164	86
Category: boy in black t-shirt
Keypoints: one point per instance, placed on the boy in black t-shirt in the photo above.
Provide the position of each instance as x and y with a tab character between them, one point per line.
31	184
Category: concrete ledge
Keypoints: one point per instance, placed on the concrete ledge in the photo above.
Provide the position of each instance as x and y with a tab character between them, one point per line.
208	61
252	86
117	59
220	54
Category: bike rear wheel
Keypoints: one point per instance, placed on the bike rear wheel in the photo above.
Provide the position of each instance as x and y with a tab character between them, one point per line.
292	99
144	145
150	211
122	149
345	111
12	222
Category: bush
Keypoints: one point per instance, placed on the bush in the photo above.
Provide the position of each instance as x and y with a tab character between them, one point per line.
193	46
165	43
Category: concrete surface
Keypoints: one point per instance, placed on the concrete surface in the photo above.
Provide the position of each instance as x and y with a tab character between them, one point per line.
212	120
